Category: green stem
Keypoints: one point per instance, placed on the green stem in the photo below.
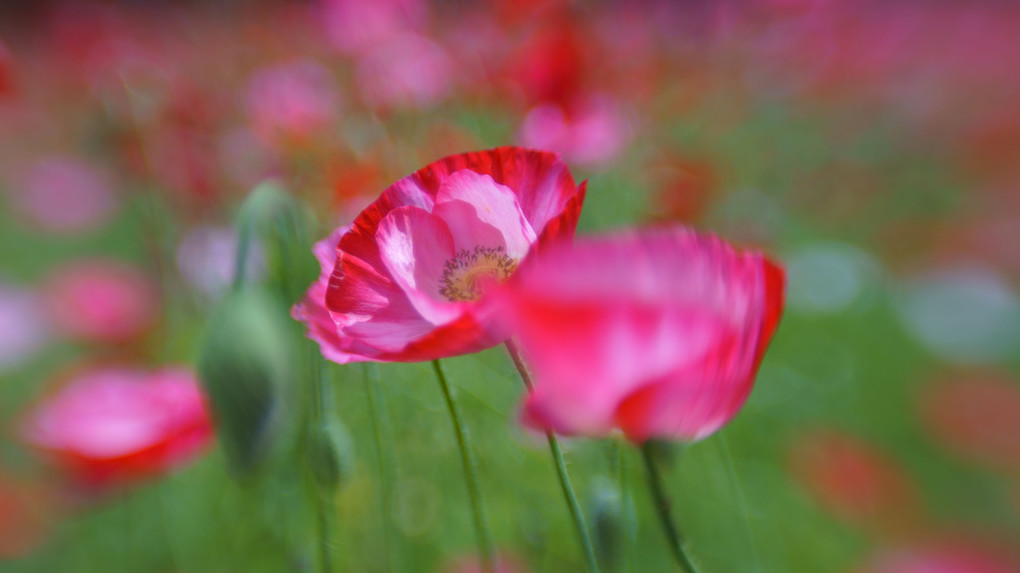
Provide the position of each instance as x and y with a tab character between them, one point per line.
626	509
561	470
662	509
371	379
485	553
321	398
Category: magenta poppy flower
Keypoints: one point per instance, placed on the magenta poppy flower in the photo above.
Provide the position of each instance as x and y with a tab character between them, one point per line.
657	333
112	424
407	281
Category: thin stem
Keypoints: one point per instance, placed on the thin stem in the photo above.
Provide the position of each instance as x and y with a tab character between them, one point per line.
485	553
371	380
561	470
724	448
620	465
662	508
321	398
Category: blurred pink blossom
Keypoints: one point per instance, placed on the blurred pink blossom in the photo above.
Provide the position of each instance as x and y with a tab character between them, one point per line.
6	71
23	326
854	480
100	300
976	416
658	333
591	133
504	564
245	158
62	194
356	26
112	424
291	102
206	257
942	558
26	515
407	71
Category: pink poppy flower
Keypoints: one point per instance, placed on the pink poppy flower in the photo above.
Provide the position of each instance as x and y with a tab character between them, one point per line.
407	280
111	424
657	333
100	300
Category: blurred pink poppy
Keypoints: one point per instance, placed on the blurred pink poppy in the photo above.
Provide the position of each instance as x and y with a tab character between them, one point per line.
854	480
976	417
26	516
504	564
23	326
183	161
550	66
114	424
289	103
245	158
100	300
658	333
6	71
355	26
407	280
407	71
61	194
591	133
206	259
941	558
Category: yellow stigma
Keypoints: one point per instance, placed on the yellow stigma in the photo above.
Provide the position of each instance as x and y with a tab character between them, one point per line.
467	273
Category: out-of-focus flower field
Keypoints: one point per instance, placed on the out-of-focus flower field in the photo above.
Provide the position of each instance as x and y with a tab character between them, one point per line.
871	148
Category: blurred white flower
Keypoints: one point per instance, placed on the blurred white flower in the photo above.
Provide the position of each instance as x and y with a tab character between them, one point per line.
965	315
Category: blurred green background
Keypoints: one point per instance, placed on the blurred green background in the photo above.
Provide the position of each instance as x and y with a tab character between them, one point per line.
871	148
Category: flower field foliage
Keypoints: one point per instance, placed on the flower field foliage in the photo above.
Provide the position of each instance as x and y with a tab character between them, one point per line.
515	286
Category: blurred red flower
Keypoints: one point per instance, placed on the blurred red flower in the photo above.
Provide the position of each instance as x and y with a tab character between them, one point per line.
658	333
114	424
853	480
100	300
977	417
504	564
26	516
941	558
406	281
6	71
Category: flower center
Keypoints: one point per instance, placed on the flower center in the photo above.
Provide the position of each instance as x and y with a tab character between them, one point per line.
468	273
